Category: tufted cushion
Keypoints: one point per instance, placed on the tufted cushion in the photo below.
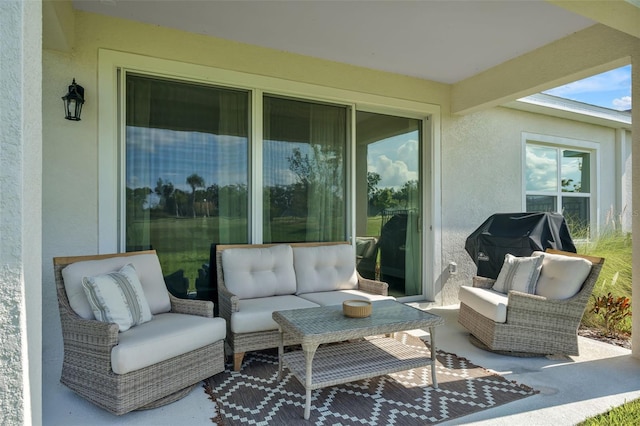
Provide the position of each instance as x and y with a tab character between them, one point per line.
562	276
147	267
325	268
519	273
259	272
118	297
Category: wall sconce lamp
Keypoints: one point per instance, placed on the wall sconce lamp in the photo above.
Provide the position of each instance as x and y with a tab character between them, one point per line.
73	102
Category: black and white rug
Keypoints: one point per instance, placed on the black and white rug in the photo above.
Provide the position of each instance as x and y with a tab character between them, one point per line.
255	396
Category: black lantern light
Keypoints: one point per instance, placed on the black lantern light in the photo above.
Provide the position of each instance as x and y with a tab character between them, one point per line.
73	102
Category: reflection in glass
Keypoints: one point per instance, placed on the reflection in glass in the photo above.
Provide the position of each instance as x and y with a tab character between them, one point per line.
541	203
186	172
541	168
304	171
576	212
388	201
575	169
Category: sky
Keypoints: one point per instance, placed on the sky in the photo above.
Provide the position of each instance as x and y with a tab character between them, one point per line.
611	89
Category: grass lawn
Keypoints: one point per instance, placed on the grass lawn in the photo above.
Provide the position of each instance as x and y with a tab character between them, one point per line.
615	276
626	414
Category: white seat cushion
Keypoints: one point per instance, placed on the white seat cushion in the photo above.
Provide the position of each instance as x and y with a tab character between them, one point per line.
259	272
561	276
326	298
164	337
147	267
255	314
488	303
325	268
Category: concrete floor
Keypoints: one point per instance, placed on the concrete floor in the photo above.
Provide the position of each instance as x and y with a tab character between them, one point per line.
570	388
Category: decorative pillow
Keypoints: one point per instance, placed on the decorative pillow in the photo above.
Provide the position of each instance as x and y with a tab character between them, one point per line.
519	274
118	297
562	276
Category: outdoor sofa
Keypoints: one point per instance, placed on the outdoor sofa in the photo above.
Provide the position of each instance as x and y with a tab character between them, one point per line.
535	305
254	280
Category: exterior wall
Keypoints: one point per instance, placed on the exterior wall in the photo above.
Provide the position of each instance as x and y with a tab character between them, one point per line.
482	174
70	187
20	213
479	162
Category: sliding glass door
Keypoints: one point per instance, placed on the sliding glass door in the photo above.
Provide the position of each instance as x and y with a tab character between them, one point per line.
186	174
389	201
304	175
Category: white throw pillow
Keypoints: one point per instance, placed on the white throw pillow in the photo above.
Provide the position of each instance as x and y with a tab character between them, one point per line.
519	274
117	297
562	276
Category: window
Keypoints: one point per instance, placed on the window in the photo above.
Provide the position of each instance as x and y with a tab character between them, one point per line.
304	150
558	179
187	169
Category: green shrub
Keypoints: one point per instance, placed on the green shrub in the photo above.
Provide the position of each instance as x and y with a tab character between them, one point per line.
615	279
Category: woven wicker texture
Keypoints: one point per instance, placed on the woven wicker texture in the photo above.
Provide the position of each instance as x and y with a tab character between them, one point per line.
352	360
228	303
86	367
535	325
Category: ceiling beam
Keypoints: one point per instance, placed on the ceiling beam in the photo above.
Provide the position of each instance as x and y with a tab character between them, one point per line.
591	51
622	15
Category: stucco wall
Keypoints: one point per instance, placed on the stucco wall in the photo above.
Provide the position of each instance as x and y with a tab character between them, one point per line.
20	213
70	200
482	174
480	159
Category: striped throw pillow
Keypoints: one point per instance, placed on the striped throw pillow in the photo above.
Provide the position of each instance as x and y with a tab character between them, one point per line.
519	273
118	297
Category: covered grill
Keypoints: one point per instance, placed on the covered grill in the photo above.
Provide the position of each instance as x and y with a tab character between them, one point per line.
519	234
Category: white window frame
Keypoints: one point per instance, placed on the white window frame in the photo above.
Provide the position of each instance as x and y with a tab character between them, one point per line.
110	124
560	142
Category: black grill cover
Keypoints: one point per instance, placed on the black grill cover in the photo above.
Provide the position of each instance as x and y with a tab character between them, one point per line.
519	234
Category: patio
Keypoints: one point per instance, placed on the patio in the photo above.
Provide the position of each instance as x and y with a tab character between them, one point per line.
570	389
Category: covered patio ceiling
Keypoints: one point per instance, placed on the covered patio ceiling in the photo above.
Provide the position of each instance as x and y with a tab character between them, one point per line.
435	40
474	45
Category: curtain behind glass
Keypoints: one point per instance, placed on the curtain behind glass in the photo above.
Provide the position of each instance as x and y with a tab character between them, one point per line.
304	171
186	170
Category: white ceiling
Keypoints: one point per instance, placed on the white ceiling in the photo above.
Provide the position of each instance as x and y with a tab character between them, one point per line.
444	41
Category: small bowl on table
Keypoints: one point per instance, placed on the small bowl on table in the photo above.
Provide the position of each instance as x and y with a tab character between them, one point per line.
356	308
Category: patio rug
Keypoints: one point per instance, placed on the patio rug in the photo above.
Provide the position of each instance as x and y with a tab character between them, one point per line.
255	396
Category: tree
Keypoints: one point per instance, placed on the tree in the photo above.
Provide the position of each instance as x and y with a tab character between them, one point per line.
194	181
165	191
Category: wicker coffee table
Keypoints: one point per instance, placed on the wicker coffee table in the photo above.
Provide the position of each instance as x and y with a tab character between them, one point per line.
317	367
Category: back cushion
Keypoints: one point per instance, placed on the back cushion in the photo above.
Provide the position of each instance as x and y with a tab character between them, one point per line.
561	276
259	272
325	268
147	267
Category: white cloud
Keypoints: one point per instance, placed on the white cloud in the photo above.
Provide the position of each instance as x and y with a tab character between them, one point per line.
541	171
618	79
623	103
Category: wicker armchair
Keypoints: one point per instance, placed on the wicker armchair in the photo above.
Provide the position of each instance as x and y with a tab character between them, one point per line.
88	344
534	325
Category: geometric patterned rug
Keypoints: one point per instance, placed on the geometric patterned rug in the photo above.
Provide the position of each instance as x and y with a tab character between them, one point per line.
255	396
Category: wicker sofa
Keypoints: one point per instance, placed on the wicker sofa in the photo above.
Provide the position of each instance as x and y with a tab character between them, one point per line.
150	364
543	323
254	280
